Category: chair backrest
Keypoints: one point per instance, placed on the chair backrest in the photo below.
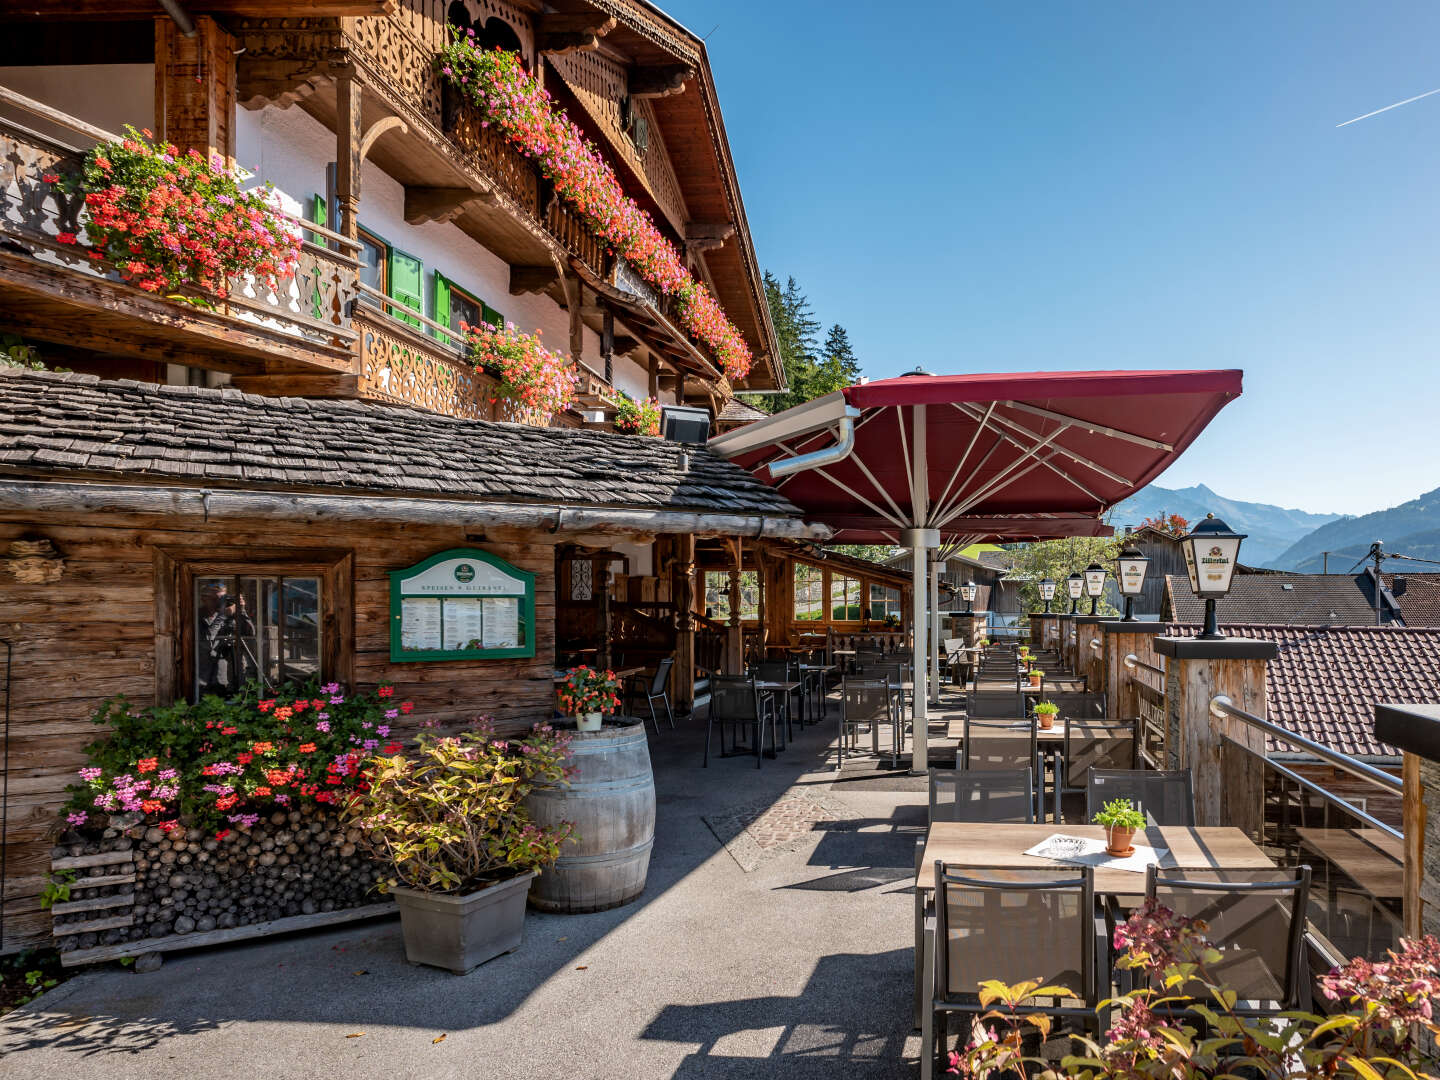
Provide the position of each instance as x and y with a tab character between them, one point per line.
1099	744
1254	916
864	699
661	682
999	744
983	795
773	670
1003	703
1165	798
953	645
1011	925
734	697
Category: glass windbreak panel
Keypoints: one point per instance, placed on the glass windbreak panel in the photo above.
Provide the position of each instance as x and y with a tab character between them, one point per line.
809	597
250	627
372	258
717	595
844	598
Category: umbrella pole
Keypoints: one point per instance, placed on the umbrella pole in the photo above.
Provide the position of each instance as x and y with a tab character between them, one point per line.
920	542
935	631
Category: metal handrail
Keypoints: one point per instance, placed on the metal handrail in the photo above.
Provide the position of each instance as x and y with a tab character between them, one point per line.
1132	662
1095	644
1221	706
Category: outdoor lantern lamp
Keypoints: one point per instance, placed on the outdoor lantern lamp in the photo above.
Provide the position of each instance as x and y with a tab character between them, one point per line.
1094	584
1075	583
1211	551
1047	592
967	593
1130	567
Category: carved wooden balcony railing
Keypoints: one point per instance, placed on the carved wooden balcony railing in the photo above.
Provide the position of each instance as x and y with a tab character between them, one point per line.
305	319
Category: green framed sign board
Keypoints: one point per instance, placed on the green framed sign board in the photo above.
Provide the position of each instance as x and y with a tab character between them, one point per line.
461	604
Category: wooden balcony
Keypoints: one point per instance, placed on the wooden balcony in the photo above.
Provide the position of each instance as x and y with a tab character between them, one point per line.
52	292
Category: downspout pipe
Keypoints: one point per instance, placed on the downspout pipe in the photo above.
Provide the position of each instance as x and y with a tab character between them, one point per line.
844	431
180	15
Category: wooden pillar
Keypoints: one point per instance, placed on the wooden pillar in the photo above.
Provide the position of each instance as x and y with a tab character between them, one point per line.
1121	639
1229	782
683	591
762	597
735	639
652	382
348	138
602	583
195	87
1088	661
1415	730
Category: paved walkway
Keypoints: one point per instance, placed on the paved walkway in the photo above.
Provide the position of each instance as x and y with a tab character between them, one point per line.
773	939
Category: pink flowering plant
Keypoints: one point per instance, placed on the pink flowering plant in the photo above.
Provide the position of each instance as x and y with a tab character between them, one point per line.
168	220
496	82
450	815
638	417
223	763
1182	1025
530	375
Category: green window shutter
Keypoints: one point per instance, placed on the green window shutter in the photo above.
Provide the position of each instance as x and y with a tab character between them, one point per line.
406	285
442	304
320	216
493	317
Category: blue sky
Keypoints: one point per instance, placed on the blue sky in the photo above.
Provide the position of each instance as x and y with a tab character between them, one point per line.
1013	186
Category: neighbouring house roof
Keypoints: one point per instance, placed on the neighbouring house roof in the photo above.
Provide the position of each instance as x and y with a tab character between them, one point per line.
1276	599
1420	603
1326	681
736	412
80	428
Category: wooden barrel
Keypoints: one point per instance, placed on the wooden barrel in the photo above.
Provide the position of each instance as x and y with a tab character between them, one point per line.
611	801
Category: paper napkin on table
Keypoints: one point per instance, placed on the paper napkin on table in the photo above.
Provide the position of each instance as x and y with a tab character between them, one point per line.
1083	851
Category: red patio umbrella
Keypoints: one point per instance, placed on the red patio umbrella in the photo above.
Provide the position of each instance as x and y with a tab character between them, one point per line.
915	459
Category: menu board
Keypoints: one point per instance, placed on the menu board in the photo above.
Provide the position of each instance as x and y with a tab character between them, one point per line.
461	604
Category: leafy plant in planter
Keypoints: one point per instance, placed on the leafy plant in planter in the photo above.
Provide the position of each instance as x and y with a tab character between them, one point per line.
1047	711
168	220
496	82
535	378
586	694
638	417
448	819
1121	821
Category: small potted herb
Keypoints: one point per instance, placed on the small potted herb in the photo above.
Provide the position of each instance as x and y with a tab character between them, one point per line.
1045	712
1121	821
587	694
448	820
1036	676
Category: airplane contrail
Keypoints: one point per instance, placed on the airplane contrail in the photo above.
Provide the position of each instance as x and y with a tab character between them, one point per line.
1387	108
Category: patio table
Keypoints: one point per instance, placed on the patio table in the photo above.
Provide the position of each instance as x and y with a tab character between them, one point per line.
806	696
784	688
1373	859
988	844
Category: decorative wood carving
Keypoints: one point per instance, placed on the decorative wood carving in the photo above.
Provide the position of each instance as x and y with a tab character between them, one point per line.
559	34
378	128
424	204
663	81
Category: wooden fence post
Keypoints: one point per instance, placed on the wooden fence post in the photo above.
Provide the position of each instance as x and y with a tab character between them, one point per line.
1121	639
1415	729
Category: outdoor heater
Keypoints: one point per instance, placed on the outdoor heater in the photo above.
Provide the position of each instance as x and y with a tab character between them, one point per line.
967	593
1047	593
1075	583
1094	584
1130	567
1211	551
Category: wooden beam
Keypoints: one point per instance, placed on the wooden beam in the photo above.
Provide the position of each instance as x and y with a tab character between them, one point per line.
317	386
719	231
662	81
378	128
144	9
195	87
564	33
347	150
625	344
531	279
442	204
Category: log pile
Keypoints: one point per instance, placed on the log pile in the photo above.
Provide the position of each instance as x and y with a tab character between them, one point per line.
138	883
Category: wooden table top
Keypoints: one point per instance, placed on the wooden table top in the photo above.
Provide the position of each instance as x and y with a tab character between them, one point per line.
971	844
777	685
1373	859
955	729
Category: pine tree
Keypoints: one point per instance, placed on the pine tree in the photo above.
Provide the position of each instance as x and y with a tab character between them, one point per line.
838	365
811	369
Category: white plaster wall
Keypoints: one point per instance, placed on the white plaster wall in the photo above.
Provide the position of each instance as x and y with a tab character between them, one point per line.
109	96
290	149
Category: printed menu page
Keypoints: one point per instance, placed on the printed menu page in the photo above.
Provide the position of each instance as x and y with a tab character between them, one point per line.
502	623
464	617
420	624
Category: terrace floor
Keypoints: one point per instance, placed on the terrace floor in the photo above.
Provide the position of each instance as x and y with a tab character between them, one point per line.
785	952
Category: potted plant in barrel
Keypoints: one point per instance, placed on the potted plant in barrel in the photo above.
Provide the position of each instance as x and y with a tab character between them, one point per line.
448	819
587	694
1122	821
1045	713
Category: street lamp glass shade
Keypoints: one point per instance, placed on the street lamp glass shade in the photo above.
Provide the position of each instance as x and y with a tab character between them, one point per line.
1047	590
1094	580
967	591
1130	567
1211	551
1075	583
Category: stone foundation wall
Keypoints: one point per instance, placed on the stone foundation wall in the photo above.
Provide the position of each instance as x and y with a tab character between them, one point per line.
298	862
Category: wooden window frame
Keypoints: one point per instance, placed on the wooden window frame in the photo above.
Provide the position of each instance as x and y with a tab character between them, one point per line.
825	620
176	569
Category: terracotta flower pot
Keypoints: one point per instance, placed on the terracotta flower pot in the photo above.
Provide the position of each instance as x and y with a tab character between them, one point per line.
1036	677
1118	840
1047	720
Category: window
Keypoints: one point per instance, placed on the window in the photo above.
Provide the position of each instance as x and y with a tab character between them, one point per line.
456	308
249	627
844	598
374	264
809	593
582	579
884	602
717	595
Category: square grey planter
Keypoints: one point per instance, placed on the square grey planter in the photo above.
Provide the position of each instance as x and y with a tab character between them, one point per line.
459	933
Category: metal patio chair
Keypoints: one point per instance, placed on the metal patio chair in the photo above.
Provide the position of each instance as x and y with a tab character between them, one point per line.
737	703
868	701
658	689
992	743
1166	798
1097	744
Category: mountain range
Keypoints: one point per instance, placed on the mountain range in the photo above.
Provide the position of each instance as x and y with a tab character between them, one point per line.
1412	528
1270	531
